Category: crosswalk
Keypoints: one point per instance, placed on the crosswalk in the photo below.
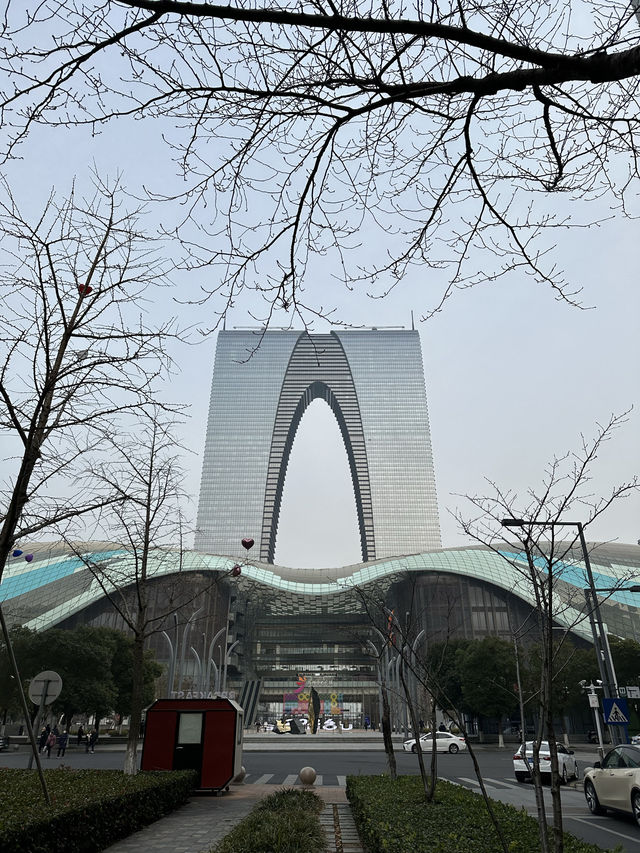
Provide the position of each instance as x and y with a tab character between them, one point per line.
337	781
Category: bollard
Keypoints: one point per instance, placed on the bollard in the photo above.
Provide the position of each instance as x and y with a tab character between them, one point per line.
307	775
239	779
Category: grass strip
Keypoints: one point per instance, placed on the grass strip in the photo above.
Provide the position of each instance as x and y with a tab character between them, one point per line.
284	822
392	817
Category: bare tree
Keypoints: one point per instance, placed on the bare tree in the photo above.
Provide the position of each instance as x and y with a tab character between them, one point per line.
546	551
144	476
77	354
401	639
438	138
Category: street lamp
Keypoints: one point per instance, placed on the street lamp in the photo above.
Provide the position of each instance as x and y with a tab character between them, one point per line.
605	663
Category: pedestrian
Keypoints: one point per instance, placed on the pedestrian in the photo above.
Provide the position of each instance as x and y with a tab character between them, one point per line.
80	734
42	740
93	740
366	723
63	739
50	743
258	726
421	724
442	727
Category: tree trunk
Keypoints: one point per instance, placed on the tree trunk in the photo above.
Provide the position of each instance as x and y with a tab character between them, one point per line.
429	788
386	730
137	671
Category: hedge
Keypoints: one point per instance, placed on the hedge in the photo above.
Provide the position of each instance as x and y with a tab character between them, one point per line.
392	817
90	809
284	822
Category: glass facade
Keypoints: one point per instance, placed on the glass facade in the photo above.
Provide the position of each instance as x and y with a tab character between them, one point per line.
262	384
285	626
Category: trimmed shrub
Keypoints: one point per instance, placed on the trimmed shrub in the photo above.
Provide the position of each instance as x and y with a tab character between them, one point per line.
392	817
90	809
284	822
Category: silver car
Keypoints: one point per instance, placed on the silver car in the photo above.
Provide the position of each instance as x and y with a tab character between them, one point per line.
614	783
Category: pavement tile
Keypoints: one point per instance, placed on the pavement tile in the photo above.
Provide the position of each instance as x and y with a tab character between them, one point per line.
205	820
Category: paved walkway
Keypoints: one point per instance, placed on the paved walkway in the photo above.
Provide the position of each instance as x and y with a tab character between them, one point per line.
205	820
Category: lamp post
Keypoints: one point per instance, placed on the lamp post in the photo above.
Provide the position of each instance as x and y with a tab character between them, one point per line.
594	704
605	663
599	634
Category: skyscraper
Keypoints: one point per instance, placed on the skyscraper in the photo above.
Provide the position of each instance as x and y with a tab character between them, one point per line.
262	384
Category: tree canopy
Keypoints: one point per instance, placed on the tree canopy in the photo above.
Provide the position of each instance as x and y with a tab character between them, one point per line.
94	664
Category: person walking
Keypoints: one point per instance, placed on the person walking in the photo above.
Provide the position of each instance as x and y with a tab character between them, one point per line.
93	740
42	740
63	739
51	742
80	734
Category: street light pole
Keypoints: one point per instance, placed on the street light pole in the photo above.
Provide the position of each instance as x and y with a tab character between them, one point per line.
605	664
601	645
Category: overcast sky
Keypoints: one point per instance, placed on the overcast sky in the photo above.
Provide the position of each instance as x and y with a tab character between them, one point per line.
513	376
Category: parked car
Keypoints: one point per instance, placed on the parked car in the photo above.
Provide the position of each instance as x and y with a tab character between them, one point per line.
567	764
635	740
614	783
445	742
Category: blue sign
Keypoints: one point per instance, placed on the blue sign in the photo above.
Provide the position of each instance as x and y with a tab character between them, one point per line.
616	711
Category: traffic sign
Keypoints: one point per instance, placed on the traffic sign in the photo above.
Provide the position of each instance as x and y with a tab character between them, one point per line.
616	711
622	691
594	700
633	691
45	687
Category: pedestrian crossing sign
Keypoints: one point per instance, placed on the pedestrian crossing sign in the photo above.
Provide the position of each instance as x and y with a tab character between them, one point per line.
616	711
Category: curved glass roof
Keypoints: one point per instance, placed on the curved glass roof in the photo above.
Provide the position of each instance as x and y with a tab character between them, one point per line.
612	566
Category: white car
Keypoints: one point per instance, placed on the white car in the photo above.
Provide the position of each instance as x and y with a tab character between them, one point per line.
567	764
445	742
614	783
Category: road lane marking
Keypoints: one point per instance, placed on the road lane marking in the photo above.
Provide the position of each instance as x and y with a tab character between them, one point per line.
477	784
263	779
604	827
291	779
342	781
506	782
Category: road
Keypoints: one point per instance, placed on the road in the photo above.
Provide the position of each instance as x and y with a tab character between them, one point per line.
332	767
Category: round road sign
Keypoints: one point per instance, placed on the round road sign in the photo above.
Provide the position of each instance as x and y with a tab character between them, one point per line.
45	687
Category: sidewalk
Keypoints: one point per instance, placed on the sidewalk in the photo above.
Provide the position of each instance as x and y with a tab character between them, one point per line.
205	820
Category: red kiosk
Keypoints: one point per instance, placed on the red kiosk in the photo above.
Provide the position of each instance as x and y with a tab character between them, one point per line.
195	734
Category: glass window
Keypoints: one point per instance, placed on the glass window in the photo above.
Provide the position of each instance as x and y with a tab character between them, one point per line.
189	728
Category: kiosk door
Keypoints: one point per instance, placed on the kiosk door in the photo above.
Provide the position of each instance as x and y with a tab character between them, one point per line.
188	749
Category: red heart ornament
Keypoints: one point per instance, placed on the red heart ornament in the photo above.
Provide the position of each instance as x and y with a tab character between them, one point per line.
236	571
247	543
